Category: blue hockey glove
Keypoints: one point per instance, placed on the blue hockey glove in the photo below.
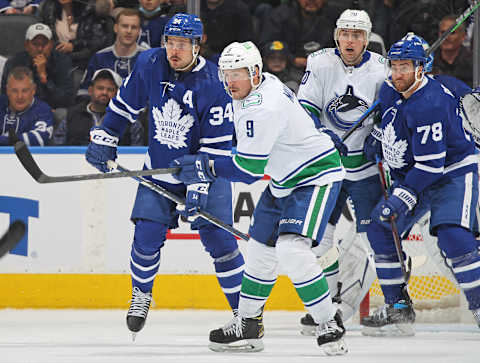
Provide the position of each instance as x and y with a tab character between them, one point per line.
339	145
401	201
195	200
193	169
373	145
102	148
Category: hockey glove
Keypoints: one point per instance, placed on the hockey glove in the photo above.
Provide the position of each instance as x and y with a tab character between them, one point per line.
193	169
102	148
401	201
339	145
373	145
195	200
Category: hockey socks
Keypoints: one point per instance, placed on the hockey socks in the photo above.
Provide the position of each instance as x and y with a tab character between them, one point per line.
229	271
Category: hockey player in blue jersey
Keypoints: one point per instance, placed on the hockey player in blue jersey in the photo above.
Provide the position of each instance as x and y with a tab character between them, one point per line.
189	112
433	164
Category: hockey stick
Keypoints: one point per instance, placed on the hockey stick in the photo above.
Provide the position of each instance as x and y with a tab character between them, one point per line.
26	158
461	18
15	233
175	198
359	122
464	16
396	237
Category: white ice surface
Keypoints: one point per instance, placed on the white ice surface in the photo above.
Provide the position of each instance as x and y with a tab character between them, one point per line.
101	336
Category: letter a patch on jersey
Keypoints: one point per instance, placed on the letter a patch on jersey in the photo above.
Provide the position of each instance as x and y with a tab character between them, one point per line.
171	128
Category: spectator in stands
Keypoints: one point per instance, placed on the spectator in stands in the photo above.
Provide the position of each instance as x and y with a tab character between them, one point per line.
121	56
303	25
277	60
79	29
453	58
75	129
26	7
51	69
225	21
22	116
155	14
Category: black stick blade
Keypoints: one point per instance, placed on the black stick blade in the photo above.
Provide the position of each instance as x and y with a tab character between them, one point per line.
15	233
26	158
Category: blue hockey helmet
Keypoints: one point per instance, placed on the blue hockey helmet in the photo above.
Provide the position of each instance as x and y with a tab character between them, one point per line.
185	26
409	47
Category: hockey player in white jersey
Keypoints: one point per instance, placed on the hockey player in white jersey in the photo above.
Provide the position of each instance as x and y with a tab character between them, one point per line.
433	164
189	112
339	85
276	136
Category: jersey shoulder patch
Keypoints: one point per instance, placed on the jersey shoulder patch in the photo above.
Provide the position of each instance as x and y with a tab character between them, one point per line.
255	99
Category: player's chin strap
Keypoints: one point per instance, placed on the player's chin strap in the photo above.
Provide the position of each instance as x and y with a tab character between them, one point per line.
194	59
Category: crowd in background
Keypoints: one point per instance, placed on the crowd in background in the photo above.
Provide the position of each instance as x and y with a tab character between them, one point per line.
76	52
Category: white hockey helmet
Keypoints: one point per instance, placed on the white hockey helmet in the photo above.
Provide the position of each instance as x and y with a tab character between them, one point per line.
241	55
356	20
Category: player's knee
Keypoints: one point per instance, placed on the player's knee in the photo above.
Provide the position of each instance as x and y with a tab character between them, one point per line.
381	239
455	240
261	260
217	242
294	254
149	236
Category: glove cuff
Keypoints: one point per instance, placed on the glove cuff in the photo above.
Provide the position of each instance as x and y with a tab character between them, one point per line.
377	133
101	137
406	195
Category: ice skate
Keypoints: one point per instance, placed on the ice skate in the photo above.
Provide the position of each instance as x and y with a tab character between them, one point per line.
308	325
330	336
137	314
390	320
239	335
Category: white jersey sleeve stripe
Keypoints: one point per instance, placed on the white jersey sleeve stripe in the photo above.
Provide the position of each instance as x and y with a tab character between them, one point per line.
213	151
428	169
120	112
253	156
430	156
127	106
214	140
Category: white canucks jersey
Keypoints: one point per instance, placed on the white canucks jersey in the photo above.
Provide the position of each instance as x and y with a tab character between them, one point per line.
277	137
339	96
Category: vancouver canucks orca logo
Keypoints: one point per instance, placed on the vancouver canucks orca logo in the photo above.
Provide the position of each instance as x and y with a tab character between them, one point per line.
345	109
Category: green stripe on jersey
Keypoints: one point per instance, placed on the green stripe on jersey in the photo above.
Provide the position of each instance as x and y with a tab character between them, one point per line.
331	161
313	291
253	166
311	109
254	288
354	161
316	211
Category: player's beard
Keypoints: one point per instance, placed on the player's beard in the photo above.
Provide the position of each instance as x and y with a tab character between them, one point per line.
403	85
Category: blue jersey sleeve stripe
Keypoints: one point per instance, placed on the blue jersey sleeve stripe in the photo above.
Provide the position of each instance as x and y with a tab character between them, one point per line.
120	112
214	140
127	106
212	151
470	159
430	156
429	169
253	156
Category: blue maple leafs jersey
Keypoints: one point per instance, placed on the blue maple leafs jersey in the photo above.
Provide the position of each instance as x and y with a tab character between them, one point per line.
189	112
34	125
423	138
108	58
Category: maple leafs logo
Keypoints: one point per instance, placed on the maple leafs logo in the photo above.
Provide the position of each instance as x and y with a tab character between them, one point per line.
171	128
393	150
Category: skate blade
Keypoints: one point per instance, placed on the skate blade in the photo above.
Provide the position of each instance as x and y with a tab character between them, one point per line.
335	348
391	330
308	330
242	346
134	335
